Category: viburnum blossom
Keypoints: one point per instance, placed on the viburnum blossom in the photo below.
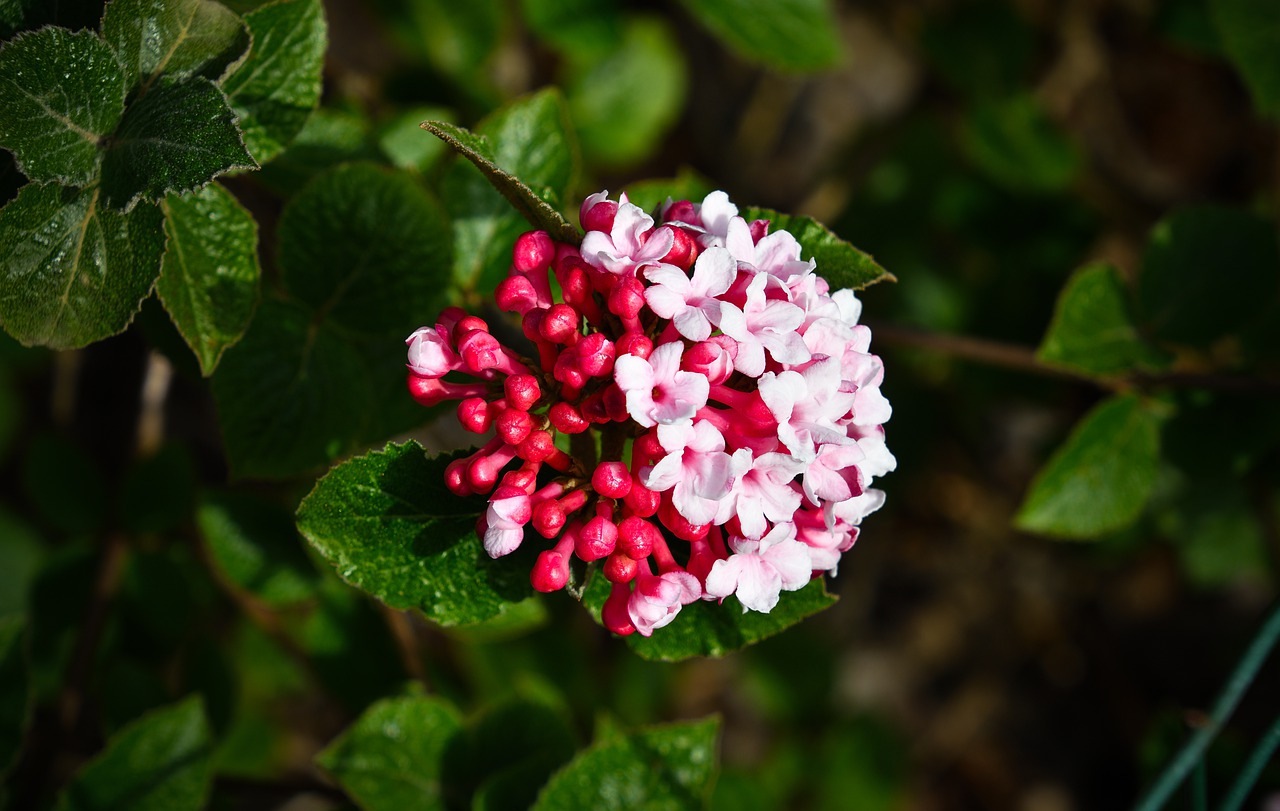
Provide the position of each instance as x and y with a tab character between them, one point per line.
694	408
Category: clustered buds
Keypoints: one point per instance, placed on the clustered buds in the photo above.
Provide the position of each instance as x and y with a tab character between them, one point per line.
719	405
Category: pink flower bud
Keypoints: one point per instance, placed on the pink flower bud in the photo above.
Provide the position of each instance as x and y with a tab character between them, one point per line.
550	571
567	419
634	343
710	359
682	211
480	351
683	250
516	294
455	477
595	355
619	568
614	614
641	500
513	425
597	539
474	416
549	518
536	447
449	318
597	213
560	324
679	525
636	537
522	391
466	324
533	251
611	479
626	298
593	410
615	403
759	229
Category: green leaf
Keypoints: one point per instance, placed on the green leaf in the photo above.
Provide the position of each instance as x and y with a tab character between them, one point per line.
794	35
209	276
581	29
655	769
1207	272
253	544
528	153
390	759
458	39
330	136
73	271
278	84
1016	144
1250	30
367	248
508	752
1092	330
291	396
1099	480
624	103
176	138
15	689
388	524
161	762
715	629
61	94
839	262
177	38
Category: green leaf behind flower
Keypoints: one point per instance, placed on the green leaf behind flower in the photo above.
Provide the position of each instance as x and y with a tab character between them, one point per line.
839	262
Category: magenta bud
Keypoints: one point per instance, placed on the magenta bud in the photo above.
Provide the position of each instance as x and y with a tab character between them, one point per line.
593	410
683	250
455	478
597	216
642	501
595	355
647	449
450	318
634	343
636	537
483	474
560	324
627	297
682	211
531	322
513	425
566	369
479	350
614	614
758	228
620	569
710	359
473	415
567	419
574	282
596	539
611	479
536	447
549	518
534	250
467	324
550	572
522	478
428	391
522	391
615	403
515	294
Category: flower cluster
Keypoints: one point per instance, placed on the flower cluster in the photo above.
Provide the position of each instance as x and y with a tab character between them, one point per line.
720	407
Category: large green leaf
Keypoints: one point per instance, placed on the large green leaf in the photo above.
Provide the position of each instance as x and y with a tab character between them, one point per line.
457	39
708	628
61	94
661	768
391	758
1092	330
589	29
625	102
799	35
1207	272
209	276
254	545
367	248
292	395
73	271
161	762
176	138
839	262
527	155
278	84
388	524
1250	30
1101	477
15	689
177	38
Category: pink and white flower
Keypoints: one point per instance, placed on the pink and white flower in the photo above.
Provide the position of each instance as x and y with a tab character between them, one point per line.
657	390
759	571
656	600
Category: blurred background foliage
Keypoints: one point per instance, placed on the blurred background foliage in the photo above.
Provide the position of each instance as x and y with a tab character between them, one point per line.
1079	200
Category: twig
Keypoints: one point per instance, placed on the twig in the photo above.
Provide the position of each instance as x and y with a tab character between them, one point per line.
406	639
